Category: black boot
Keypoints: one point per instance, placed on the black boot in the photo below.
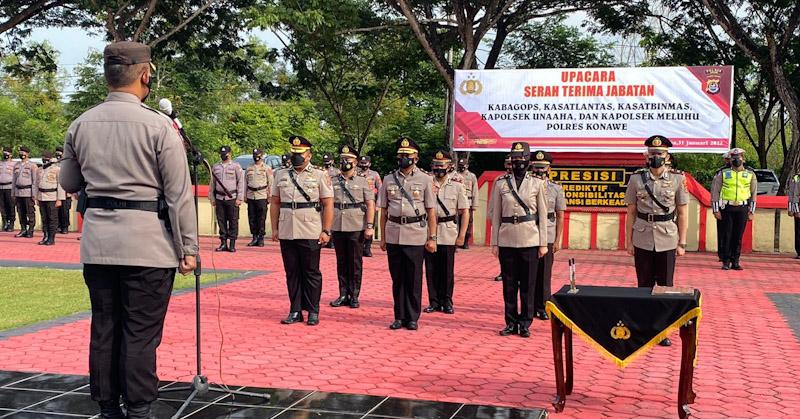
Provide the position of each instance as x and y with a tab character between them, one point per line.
139	410
223	246
110	409
254	241
51	238
28	233
5	225
232	246
367	249
23	230
293	317
260	242
45	238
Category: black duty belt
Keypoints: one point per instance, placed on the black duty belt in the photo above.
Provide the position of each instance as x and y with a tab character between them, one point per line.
24	187
656	217
257	189
519	219
407	220
300	205
551	216
121	204
349	205
48	190
446	219
5	183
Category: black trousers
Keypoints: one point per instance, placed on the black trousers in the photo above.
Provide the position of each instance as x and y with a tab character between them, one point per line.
49	213
303	277
63	213
797	235
26	210
129	304
257	216
734	221
228	219
439	275
7	205
720	238
349	248
405	267
544	272
654	267
468	236
519	267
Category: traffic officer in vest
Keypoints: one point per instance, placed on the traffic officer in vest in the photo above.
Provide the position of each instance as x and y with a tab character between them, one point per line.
471	189
794	209
408	224
375	182
733	200
139	227
353	221
302	217
226	194
66	204
25	192
50	197
259	179
490	205
6	192
519	208
452	202
720	234
556	205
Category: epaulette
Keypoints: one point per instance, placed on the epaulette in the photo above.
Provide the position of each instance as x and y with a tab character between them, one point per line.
676	171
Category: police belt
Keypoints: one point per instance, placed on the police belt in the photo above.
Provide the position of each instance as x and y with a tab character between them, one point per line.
5	184
159	206
257	189
516	219
551	216
301	205
446	219
407	220
735	203
24	187
349	205
656	217
48	190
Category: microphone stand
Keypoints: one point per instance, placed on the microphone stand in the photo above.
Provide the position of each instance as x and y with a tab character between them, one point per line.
200	384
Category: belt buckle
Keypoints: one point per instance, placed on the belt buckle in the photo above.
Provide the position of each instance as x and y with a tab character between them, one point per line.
515	219
294	205
403	219
650	218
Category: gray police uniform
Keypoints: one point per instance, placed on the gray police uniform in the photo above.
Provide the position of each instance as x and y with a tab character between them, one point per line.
24	193
471	190
350	196
48	191
259	181
231	179
794	209
6	194
556	201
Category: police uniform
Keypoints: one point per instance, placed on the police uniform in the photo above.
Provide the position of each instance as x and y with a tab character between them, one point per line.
720	231
375	182
490	205
471	189
794	210
451	200
259	179
24	193
330	169
407	229
139	223
66	205
556	205
353	212
519	203
50	197
227	192
6	192
301	212
733	195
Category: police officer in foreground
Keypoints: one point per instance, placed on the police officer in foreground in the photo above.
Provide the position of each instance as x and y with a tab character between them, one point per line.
451	200
471	189
302	216
6	192
259	179
141	196
25	192
490	205
66	204
50	197
541	162
353	221
657	217
375	182
226	194
408	224
733	200
519	203
720	233
794	209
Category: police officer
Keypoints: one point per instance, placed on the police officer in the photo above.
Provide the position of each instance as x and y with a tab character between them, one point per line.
408	224
66	204
353	220
720	233
541	162
50	197
327	164
794	209
259	179
451	200
286	161
733	200
302	216
25	192
226	194
6	192
129	255
375	182
519	203
471	189
490	205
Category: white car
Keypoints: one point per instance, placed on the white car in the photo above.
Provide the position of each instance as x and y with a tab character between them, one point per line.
768	183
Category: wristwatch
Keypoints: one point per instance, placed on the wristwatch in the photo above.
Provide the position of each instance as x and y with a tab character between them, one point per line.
682	245
328	232
370	225
432	238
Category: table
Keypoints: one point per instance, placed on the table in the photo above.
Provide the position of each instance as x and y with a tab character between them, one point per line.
622	323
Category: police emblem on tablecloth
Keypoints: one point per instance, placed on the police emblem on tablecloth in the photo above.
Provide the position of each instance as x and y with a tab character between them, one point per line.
620	331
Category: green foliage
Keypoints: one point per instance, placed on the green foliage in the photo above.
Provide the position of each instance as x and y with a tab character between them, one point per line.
552	44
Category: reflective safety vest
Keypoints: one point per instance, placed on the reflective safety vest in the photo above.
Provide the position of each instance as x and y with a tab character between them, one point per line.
736	185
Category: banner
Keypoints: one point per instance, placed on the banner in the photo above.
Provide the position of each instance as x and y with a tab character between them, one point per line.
593	186
593	110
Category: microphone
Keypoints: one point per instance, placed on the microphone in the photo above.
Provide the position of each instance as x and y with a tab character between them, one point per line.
165	106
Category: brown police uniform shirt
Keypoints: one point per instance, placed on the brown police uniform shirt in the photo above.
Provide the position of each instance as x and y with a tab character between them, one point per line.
7	174
670	190
471	188
259	180
125	150
231	177
794	195
301	223
556	201
48	188
350	219
25	179
373	179
454	198
533	193
332	171
419	185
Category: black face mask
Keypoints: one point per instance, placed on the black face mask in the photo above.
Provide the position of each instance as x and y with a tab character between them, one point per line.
462	168
6	156
345	166
519	167
59	155
23	156
737	162
256	158
298	160
149	85
363	168
327	164
223	157
542	174
440	173
405	162
655	161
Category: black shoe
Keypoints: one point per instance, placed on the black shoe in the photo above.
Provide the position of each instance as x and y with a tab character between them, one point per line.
28	233
412	325
726	266
396	325
44	239
51	239
367	252
511	329
498	278
6	225
313	319
139	410
448	310
541	315
22	231
736	267
232	246
260	242
294	317
431	309
465	246
354	303
64	230
797	257
329	244
110	409
341	301
665	342
223	246
524	332
253	242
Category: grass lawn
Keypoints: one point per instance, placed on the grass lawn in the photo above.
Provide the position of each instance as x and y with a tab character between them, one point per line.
31	295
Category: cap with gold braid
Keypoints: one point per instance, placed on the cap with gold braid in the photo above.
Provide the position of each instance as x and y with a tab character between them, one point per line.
541	158
441	158
520	149
299	144
348	151
406	145
658	143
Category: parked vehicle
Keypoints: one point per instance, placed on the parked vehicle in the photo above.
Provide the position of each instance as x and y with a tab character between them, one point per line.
768	183
245	160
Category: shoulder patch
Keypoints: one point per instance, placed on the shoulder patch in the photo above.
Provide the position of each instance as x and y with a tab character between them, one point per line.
641	170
